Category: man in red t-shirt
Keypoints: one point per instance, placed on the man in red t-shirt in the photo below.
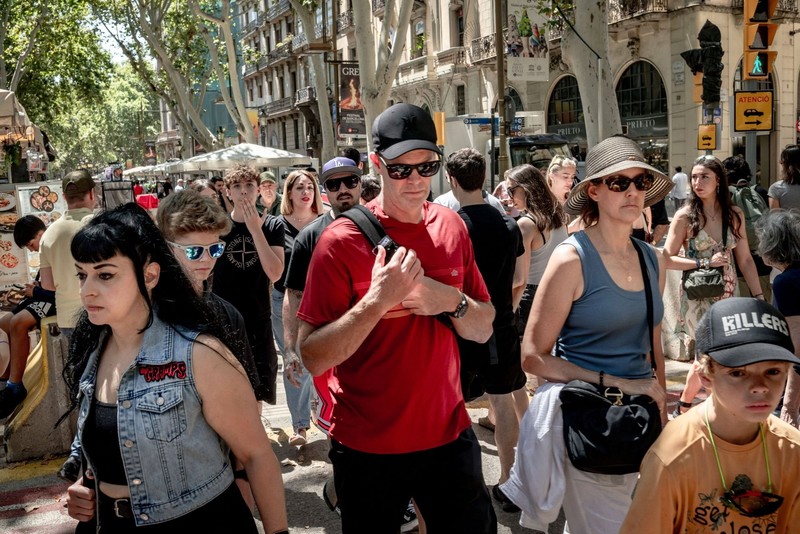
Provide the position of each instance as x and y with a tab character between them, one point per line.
385	325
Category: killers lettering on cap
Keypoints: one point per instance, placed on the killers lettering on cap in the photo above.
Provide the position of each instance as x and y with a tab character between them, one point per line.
739	322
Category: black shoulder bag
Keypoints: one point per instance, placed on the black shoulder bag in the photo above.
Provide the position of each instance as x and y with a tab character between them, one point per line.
705	282
605	430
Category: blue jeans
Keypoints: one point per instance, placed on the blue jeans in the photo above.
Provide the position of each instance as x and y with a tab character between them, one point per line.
297	398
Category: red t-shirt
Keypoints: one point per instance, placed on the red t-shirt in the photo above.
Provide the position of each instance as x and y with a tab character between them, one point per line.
400	391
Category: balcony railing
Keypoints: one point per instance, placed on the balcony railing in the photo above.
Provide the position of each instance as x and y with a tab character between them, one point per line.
263	61
378	6
788	6
280	53
345	22
279	106
278	9
625	9
305	96
483	48
250	68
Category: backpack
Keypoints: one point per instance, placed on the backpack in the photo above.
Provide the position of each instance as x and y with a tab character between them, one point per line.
753	206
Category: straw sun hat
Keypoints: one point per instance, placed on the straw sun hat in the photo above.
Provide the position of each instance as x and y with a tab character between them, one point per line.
611	156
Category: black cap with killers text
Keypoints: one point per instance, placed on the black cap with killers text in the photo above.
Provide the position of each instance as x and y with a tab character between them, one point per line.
740	331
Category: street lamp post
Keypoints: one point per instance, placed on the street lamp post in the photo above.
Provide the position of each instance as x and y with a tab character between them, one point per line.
502	159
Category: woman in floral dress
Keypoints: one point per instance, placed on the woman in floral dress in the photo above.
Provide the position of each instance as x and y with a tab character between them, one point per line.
696	240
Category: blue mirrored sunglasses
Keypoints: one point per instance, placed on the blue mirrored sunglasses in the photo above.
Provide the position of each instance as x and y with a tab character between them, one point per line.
195	252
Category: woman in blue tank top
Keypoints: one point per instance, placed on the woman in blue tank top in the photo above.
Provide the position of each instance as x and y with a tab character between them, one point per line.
589	316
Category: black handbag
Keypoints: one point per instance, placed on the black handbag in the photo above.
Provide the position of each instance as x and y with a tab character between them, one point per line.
704	283
607	431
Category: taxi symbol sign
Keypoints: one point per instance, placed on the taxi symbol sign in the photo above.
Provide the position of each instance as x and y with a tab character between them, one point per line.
707	137
752	111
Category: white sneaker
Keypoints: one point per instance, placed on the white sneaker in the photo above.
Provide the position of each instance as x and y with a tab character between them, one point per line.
410	521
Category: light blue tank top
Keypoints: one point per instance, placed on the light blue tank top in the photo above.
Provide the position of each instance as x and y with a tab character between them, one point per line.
606	329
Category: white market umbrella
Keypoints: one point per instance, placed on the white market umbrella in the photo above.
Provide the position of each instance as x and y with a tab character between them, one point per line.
145	170
244	153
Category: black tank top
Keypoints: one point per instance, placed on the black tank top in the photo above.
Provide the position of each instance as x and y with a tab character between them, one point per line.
101	441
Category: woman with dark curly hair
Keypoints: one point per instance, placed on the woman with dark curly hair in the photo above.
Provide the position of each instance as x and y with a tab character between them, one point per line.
156	386
710	230
786	193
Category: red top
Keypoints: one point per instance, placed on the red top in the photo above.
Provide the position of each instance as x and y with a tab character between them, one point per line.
400	391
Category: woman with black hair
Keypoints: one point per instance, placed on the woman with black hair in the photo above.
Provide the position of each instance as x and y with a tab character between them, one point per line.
786	193
156	387
711	232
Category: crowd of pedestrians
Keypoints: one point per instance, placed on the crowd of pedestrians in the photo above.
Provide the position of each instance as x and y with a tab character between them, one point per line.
176	321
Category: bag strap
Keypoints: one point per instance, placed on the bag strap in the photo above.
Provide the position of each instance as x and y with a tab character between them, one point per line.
648	291
366	222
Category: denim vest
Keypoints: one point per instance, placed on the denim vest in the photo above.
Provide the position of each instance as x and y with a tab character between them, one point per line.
174	461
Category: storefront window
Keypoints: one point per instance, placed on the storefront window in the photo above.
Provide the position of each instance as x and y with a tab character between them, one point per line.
641	92
565	103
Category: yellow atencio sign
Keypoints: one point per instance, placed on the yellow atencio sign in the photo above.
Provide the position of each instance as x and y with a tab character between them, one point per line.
752	111
707	137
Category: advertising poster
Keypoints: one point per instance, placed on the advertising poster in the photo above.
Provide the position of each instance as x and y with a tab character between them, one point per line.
351	110
527	54
13	261
149	153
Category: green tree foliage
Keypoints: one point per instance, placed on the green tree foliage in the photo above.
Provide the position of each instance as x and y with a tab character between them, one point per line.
114	127
51	55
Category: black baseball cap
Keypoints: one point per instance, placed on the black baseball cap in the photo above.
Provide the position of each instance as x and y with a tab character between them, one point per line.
403	128
739	331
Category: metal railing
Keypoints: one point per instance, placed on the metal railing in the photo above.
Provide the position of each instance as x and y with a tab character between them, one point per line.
345	22
625	9
378	6
305	95
250	68
263	61
278	9
483	48
280	53
279	106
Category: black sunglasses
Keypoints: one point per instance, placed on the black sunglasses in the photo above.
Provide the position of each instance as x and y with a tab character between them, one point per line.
618	183
350	182
752	503
401	171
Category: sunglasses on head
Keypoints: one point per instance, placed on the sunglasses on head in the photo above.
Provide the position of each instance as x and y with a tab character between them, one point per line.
401	171
350	182
195	252
618	183
752	503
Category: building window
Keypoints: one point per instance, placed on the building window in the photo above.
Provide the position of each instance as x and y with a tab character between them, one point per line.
260	91
353	54
418	42
461	100
296	124
641	92
250	91
565	103
278	37
283	134
281	88
459	27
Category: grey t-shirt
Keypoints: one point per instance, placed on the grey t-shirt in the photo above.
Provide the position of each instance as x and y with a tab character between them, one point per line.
788	195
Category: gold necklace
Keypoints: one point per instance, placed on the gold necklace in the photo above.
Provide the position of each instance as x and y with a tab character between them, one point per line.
712	217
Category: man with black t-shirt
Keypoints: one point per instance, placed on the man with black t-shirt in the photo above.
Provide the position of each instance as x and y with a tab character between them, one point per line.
494	367
253	258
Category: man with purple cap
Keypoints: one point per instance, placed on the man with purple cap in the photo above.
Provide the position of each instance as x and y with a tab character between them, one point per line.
385	324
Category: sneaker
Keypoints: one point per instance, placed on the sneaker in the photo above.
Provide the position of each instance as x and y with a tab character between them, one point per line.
505	503
298	439
70	470
410	521
9	400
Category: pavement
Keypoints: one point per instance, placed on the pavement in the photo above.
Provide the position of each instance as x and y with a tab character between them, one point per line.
32	498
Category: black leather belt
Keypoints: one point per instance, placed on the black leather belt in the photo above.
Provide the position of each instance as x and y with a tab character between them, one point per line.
120	508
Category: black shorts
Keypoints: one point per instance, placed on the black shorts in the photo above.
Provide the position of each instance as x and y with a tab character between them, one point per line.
480	374
38	308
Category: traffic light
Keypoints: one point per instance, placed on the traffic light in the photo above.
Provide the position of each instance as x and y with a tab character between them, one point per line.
758	33
707	60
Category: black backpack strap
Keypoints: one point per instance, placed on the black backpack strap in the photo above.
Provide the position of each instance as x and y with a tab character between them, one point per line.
648	292
366	222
